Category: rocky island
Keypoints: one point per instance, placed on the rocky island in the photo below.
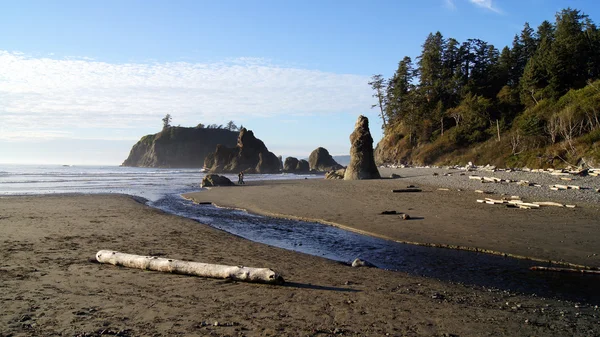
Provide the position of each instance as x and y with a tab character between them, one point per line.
179	147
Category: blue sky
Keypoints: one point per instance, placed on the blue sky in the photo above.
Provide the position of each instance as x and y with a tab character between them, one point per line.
82	81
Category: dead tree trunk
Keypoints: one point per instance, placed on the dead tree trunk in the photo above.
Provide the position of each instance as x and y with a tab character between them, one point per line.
237	273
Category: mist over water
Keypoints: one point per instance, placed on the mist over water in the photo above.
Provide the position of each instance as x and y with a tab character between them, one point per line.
162	189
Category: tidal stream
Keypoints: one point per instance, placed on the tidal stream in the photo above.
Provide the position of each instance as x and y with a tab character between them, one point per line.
469	268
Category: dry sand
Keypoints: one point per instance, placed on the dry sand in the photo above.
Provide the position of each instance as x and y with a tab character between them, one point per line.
49	286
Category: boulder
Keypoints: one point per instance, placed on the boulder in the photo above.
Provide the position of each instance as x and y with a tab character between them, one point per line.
290	165
250	155
321	161
215	180
303	166
338	174
362	163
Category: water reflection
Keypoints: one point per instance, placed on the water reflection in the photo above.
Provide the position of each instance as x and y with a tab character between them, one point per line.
445	264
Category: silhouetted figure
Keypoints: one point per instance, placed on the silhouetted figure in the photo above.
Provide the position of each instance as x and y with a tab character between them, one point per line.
241	178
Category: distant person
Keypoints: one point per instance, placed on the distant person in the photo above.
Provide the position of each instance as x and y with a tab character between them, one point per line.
241	178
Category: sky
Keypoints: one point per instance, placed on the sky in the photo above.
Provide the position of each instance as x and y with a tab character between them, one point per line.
82	81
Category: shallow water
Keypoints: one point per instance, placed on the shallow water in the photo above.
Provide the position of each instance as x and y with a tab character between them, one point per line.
162	189
471	268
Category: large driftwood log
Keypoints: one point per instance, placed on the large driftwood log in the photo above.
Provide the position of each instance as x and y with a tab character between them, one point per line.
246	274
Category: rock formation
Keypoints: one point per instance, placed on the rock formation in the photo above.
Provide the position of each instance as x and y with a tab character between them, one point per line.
293	165
290	165
303	166
362	164
338	174
250	155
321	161
178	147
215	180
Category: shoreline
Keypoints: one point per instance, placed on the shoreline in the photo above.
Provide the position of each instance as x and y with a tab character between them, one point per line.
421	244
51	288
456	220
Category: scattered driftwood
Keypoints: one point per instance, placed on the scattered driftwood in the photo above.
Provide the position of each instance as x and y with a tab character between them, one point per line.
237	273
516	202
557	187
389	212
548	203
565	270
362	263
404	190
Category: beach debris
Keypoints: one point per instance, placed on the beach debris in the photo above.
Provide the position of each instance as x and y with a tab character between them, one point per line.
395	176
483	192
516	202
548	203
559	187
435	174
236	273
362	263
405	216
565	270
443	189
389	212
405	190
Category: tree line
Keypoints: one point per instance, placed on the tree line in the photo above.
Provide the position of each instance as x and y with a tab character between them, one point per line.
231	126
472	91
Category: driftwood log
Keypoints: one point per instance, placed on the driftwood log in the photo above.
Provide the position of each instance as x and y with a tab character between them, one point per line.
405	190
565	270
246	274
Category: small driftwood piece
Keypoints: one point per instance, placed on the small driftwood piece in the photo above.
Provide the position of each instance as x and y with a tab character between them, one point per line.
245	274
565	270
404	190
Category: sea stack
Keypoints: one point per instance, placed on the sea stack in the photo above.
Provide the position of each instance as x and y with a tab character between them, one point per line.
362	164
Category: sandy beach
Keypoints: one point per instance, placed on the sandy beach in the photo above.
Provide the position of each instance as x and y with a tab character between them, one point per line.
49	284
439	217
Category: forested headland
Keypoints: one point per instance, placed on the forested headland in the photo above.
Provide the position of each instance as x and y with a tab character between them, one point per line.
535	103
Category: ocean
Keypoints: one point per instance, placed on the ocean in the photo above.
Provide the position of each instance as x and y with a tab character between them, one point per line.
161	188
149	183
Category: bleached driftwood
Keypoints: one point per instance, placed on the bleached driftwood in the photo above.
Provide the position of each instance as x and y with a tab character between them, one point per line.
565	270
548	203
246	274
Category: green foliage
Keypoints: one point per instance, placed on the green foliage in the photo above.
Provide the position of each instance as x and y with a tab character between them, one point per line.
166	121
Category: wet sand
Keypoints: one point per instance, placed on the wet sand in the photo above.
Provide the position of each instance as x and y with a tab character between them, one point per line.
49	286
451	218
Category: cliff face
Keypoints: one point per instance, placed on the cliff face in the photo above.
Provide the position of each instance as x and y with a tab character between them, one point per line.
249	155
178	147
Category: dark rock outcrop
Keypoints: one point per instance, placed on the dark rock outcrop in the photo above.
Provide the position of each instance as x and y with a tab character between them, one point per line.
215	180
303	166
293	165
250	155
362	164
321	161
178	147
290	165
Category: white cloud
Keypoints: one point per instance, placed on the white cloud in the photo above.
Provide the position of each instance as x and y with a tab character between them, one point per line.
450	4
487	4
55	98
